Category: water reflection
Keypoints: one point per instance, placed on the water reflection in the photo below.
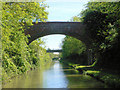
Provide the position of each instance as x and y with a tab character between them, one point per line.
54	76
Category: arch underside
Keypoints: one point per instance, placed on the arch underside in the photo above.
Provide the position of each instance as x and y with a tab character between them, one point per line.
84	39
73	29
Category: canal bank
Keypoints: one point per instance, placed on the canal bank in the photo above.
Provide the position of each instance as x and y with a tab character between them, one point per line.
55	76
110	78
11	78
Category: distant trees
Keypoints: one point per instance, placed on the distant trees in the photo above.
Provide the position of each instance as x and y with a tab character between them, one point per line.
72	46
74	50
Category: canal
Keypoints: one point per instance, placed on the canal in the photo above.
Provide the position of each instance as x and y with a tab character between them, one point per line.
54	76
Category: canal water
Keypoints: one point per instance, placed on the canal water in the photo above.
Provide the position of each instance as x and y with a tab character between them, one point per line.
55	76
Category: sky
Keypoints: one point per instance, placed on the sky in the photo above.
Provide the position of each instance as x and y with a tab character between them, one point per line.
61	10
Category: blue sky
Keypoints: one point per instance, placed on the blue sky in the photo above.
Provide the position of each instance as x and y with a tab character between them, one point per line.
61	10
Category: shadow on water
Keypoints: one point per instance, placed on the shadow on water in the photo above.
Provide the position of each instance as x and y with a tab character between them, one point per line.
77	80
54	76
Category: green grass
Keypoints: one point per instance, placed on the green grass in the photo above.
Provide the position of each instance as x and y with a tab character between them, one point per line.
109	79
92	72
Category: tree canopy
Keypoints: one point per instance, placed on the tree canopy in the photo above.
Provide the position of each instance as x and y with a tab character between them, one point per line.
102	22
17	56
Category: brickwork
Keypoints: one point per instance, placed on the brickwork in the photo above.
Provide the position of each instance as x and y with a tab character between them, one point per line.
74	29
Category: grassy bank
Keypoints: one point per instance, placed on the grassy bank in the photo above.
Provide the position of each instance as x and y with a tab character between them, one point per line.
110	77
112	80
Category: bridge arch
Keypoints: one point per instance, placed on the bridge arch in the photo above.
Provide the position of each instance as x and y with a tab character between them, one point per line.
74	29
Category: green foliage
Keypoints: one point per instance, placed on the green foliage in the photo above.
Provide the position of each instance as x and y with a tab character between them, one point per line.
72	46
38	54
76	19
17	56
74	50
111	80
102	20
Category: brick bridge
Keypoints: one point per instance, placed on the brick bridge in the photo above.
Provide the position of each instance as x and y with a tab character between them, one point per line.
74	29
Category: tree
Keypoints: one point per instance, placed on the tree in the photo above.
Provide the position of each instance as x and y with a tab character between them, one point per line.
102	20
16	54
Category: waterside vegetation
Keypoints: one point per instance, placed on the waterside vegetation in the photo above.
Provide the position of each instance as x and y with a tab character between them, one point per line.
17	56
103	26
